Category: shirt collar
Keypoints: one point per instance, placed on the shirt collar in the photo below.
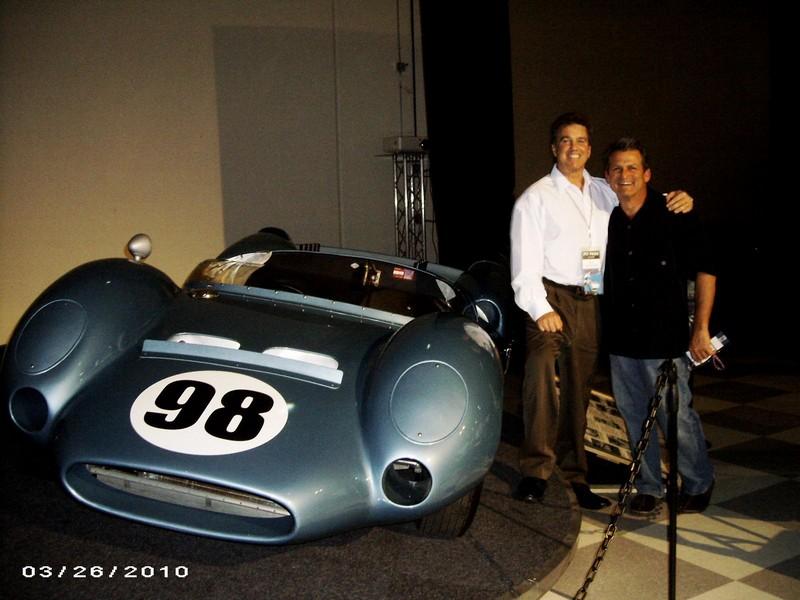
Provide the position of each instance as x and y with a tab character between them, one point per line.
561	182
651	203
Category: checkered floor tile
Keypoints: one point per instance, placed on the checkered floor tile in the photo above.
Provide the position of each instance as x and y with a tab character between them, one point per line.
746	545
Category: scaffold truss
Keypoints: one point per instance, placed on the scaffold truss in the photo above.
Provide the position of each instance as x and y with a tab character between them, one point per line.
411	191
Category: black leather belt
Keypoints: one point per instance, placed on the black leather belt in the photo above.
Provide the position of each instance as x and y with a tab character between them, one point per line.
575	290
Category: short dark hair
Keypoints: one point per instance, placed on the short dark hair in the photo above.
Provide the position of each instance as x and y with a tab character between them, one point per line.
625	144
569	118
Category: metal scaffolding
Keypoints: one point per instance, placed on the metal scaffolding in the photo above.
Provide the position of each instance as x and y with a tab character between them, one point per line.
411	189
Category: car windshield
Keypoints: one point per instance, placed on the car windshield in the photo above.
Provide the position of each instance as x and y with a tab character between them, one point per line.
367	282
360	281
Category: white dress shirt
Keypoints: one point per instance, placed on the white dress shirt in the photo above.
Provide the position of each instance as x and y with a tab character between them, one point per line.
552	223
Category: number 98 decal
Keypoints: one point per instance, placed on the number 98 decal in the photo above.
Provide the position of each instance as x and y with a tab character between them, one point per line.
209	413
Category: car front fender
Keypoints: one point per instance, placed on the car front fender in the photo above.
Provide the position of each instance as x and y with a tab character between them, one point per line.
434	399
76	328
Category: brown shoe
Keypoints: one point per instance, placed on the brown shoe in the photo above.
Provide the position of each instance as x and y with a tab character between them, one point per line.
644	504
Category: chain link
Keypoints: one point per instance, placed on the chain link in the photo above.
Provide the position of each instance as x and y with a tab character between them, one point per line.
667	374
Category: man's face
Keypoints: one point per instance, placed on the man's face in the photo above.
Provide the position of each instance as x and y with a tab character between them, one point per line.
572	148
626	175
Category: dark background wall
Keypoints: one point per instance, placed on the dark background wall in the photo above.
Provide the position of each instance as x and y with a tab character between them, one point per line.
470	125
691	80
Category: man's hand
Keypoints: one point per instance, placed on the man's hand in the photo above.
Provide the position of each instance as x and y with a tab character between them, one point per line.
700	346
679	201
704	290
550	322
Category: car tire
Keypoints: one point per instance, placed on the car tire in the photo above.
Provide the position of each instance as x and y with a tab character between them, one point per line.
454	519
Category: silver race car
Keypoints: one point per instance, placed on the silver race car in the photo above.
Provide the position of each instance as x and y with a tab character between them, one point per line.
285	393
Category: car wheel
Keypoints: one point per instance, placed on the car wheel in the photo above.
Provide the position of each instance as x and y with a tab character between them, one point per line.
454	519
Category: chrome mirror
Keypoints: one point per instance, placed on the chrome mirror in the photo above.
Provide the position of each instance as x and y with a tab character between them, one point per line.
140	246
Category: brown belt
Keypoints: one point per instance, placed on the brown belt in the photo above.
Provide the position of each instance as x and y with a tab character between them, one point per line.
575	290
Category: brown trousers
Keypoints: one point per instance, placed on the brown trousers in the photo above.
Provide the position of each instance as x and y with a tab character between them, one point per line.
555	423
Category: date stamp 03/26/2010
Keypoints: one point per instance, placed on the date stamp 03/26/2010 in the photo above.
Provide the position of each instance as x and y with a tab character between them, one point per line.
104	572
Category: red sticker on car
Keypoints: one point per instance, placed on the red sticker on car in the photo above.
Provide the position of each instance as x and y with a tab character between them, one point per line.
403	273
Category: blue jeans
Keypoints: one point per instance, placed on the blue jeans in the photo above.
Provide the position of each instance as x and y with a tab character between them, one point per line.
634	383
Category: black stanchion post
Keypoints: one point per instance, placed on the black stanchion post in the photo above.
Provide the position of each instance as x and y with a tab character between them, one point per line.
665	383
672	479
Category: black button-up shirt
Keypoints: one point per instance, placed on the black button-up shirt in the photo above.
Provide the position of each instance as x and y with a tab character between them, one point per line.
649	260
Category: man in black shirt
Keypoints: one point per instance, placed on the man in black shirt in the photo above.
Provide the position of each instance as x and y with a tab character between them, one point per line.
651	254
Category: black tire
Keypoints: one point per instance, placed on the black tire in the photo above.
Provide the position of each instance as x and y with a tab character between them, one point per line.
454	519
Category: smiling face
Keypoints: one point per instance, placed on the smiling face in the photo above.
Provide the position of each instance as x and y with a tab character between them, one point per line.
627	176
572	148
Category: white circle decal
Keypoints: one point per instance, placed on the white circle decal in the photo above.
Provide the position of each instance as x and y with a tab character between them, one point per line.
209	413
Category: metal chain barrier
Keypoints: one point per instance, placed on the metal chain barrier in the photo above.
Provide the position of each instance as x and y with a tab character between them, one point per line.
666	375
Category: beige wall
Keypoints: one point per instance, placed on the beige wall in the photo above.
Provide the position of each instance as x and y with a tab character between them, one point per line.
111	124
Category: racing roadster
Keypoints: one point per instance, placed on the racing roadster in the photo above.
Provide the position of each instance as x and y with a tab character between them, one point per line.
285	393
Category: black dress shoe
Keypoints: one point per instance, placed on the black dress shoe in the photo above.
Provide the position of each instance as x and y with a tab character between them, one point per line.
588	499
688	503
645	504
530	489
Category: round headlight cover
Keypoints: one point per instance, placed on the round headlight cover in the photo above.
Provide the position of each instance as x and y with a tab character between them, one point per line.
428	402
50	335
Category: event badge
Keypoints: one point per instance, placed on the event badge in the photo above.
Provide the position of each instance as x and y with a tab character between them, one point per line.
592	274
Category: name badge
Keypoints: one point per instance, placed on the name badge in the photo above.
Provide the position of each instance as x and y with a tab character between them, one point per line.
592	275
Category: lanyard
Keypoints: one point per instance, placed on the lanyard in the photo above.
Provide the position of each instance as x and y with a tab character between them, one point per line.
581	213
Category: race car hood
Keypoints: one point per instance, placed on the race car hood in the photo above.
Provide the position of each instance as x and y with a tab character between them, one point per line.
242	394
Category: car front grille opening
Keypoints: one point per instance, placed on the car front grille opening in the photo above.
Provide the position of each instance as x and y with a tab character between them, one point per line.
188	492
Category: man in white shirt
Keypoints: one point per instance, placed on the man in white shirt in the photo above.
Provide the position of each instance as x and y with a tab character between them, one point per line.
559	228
